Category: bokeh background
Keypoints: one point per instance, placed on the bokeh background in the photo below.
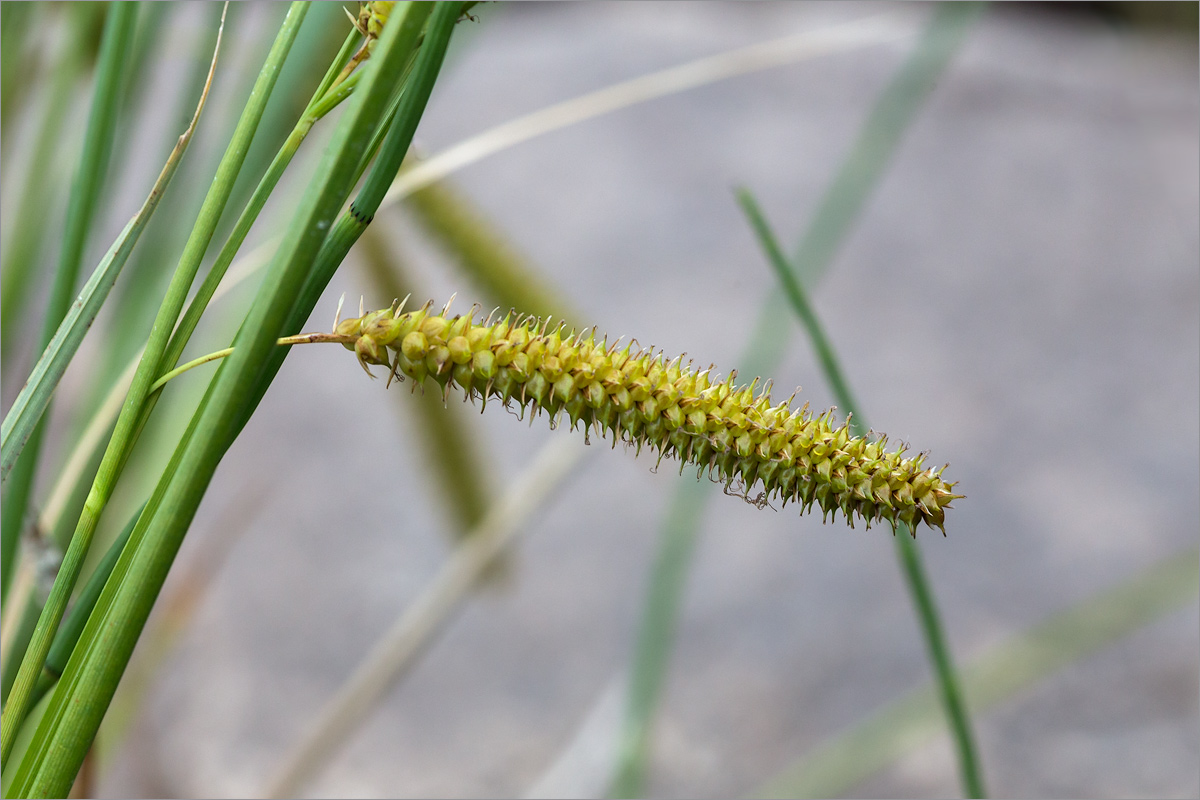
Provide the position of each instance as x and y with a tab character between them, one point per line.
1019	296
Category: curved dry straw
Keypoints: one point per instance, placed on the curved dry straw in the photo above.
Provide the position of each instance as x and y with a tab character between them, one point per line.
640	397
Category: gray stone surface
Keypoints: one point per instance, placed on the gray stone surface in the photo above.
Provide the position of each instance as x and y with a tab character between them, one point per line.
1020	297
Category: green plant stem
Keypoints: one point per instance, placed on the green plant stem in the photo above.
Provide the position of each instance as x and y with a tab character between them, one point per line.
249	215
305	338
127	423
85	190
100	658
656	634
915	577
798	299
353	222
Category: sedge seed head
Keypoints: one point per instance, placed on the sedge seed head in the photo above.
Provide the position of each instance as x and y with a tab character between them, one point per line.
636	395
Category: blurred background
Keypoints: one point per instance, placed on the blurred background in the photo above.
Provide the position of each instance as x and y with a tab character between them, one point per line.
1005	257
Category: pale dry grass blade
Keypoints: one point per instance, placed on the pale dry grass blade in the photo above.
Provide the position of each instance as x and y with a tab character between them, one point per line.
417	626
877	29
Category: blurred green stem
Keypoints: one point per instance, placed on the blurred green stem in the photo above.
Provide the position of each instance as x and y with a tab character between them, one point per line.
656	633
906	548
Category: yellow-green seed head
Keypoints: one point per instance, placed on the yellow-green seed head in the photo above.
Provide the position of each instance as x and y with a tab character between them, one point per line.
639	397
372	16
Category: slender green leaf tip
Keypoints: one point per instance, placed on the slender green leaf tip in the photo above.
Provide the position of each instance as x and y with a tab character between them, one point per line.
642	398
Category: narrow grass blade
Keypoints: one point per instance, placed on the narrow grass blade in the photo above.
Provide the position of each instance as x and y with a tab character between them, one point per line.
355	220
416	628
839	764
656	633
916	579
85	191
